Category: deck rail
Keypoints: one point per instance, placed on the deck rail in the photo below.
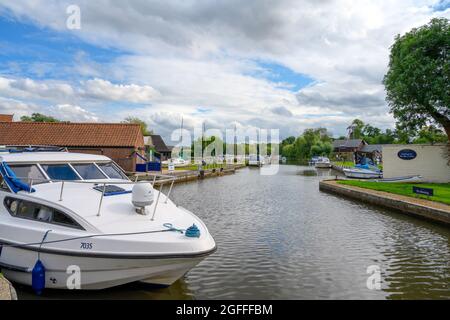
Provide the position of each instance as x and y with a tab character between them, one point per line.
162	179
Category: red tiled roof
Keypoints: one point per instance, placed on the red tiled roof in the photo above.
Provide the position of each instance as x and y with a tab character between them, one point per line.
6	117
71	134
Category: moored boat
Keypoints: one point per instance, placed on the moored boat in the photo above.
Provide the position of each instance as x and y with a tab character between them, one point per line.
255	160
323	163
62	212
359	173
177	162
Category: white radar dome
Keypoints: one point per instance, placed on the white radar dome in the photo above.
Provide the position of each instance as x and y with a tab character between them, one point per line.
142	196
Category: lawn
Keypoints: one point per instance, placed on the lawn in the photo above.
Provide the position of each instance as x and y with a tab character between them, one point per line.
441	190
344	164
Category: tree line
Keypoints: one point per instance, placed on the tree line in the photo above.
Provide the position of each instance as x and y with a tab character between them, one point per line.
319	142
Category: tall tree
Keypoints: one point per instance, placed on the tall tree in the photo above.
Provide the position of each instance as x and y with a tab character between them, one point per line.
143	124
418	79
356	128
38	117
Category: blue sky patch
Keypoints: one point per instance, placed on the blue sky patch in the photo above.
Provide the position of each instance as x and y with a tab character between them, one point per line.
442	5
27	50
280	74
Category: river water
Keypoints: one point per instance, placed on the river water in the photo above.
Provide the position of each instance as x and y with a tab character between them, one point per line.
279	237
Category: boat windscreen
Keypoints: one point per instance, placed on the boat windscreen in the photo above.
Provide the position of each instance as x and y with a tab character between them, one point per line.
112	171
60	172
88	171
28	172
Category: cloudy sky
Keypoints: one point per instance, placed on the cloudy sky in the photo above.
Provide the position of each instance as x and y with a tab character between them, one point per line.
287	64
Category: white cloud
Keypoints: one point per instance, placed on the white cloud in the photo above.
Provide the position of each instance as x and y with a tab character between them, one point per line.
72	113
65	112
16	107
203	53
105	90
30	89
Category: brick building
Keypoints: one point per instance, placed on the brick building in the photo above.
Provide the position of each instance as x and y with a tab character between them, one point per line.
6	117
117	141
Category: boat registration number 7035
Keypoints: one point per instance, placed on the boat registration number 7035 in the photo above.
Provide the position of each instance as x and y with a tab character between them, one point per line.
86	245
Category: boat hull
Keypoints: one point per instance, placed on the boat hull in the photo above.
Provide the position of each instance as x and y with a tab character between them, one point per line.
323	165
362	174
95	272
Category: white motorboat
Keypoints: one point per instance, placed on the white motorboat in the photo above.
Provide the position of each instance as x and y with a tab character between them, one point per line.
361	173
64	211
255	160
177	162
313	161
322	163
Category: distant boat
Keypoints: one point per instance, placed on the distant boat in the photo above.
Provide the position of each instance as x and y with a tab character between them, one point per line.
255	160
323	162
313	161
177	162
401	179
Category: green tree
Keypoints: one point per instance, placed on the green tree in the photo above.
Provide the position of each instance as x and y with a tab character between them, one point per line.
357	127
288	141
430	134
418	79
143	124
403	135
288	151
38	117
321	149
312	142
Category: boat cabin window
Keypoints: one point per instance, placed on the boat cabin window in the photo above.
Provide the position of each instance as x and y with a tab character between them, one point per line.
3	185
112	171
88	171
60	172
33	211
26	172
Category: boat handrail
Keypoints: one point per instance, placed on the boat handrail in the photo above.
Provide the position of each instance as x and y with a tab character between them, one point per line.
164	178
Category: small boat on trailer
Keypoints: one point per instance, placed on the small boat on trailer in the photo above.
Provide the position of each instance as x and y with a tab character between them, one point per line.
363	172
357	173
62	211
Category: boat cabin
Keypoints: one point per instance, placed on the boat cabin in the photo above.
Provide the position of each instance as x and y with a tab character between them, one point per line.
21	168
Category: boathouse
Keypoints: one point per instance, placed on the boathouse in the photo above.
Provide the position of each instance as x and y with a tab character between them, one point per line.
118	141
347	148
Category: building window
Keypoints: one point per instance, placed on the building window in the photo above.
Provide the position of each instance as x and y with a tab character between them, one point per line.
60	172
33	211
88	171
